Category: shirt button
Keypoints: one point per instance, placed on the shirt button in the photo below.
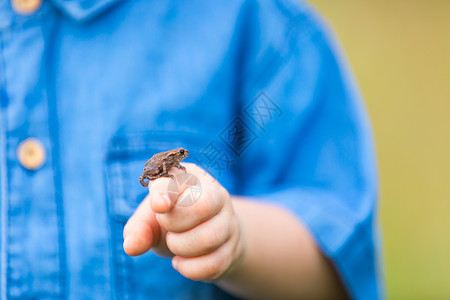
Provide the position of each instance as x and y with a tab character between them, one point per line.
31	154
26	7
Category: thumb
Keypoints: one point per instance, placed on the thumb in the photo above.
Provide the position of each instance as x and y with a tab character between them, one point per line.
142	230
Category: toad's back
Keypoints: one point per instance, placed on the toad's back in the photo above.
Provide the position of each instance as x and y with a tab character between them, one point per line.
155	163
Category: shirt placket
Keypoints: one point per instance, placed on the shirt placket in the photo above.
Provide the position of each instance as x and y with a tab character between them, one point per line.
32	241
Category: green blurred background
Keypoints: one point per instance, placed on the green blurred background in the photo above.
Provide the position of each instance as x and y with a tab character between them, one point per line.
400	53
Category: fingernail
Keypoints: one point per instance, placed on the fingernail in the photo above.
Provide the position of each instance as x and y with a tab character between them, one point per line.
126	242
166	198
175	263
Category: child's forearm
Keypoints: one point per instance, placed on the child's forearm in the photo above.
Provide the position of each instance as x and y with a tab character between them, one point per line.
281	260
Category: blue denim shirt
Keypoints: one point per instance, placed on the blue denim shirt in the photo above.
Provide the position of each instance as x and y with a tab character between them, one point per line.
255	90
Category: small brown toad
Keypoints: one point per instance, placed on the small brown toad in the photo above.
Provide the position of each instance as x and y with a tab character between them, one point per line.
160	163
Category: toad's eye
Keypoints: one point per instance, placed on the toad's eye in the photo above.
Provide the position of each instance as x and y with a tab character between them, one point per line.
182	151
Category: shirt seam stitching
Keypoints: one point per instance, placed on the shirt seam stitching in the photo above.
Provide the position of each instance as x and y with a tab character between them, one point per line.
4	190
54	135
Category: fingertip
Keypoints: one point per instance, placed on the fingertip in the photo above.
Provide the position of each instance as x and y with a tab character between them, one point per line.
125	231
175	262
134	246
128	245
162	203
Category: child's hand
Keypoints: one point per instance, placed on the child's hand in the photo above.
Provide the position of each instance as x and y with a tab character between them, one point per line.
196	224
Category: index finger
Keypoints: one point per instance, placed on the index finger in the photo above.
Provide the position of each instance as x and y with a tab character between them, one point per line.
164	191
161	201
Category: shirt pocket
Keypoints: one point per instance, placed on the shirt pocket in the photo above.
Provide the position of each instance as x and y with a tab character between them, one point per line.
147	275
125	162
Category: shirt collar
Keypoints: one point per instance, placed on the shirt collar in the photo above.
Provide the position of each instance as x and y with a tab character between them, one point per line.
82	10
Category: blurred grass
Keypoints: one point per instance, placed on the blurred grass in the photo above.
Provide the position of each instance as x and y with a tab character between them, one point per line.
400	53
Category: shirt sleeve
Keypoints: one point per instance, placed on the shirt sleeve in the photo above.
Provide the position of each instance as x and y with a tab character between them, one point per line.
309	146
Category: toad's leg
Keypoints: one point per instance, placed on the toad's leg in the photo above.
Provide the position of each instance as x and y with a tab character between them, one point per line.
179	166
151	178
164	173
141	180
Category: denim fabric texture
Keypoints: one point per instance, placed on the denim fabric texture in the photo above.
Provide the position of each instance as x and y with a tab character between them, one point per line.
257	91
